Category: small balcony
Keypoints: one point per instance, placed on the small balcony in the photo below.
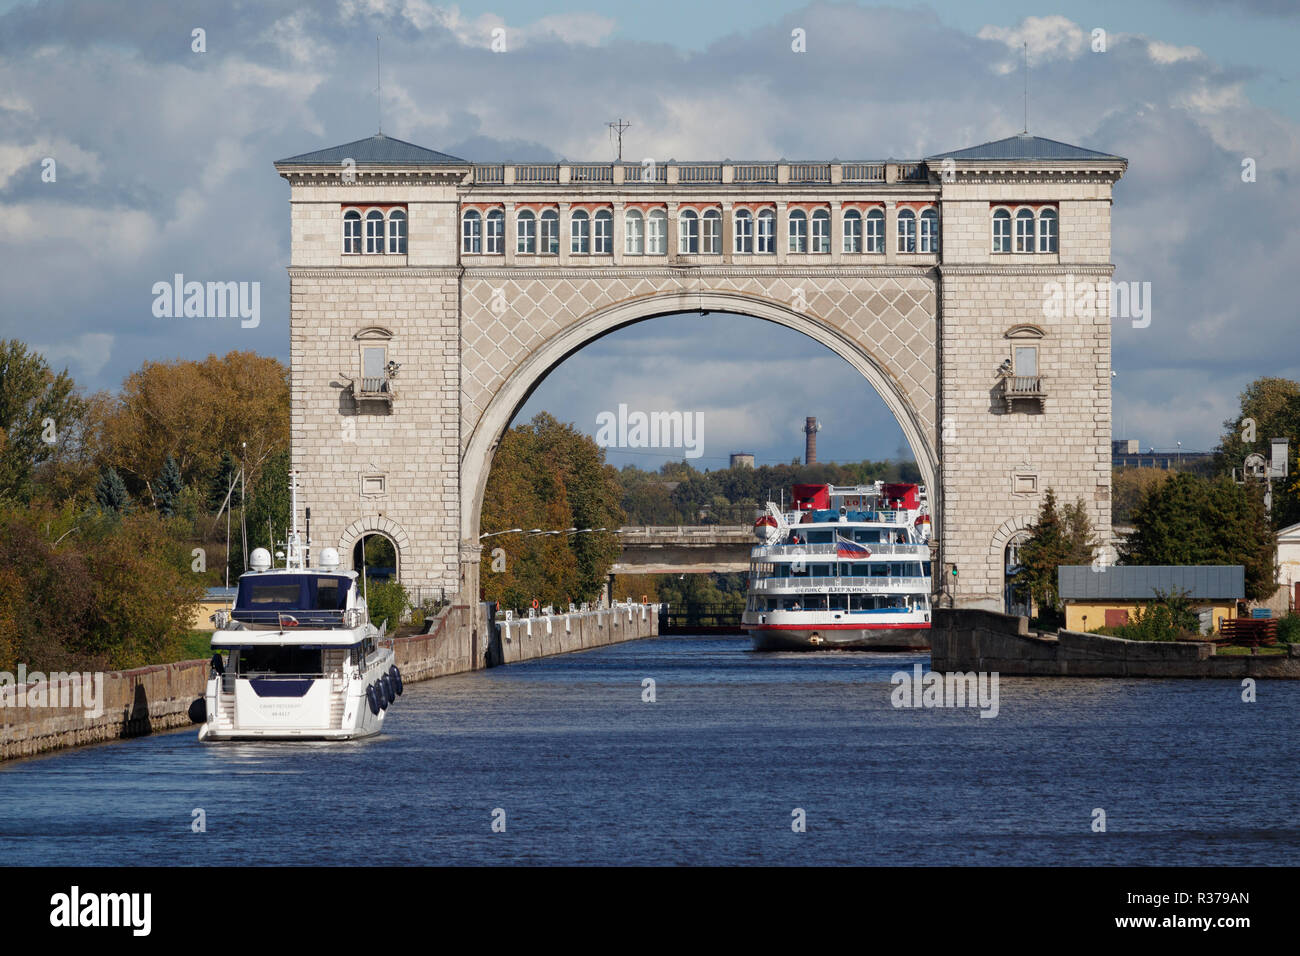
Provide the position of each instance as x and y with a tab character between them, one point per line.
378	388
1014	388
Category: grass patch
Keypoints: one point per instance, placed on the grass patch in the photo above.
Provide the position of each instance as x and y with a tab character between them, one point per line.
1234	651
197	645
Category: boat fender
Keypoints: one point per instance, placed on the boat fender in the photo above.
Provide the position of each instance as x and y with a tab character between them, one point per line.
386	690
199	710
396	675
372	699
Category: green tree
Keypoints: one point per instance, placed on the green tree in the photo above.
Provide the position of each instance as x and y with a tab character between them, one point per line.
388	602
1059	536
110	492
1270	408
40	413
220	485
1190	520
266	513
169	488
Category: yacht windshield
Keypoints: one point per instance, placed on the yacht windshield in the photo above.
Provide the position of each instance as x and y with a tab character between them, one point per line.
308	598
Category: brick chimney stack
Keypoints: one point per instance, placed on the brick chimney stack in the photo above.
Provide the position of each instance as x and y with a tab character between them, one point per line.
810	430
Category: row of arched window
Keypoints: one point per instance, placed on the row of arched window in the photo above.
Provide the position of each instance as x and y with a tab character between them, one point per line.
384	234
1033	231
698	233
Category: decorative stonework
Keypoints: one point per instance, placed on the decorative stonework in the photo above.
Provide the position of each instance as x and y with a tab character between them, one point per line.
473	334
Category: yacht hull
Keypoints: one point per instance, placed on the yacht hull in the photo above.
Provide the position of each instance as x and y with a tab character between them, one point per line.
815	638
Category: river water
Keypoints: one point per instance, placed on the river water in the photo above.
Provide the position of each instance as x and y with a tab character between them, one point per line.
565	752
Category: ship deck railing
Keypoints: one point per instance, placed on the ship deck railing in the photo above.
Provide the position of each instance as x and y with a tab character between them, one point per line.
788	550
306	619
886	516
919	585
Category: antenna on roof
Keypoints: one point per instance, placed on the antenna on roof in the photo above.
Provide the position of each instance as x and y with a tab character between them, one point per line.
1026	129
616	129
379	90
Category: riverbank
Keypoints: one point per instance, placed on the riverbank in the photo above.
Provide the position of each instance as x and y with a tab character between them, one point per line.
151	699
970	640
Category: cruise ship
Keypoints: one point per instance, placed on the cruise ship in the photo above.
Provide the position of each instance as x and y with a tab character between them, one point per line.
847	568
302	661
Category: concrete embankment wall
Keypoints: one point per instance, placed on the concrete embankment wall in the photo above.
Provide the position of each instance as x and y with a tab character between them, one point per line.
972	640
135	702
462	638
526	638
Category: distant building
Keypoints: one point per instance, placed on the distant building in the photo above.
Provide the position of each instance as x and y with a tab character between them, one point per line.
742	459
1128	453
1108	597
1288	562
214	600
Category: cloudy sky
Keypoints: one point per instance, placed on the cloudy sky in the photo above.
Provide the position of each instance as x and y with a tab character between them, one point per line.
164	166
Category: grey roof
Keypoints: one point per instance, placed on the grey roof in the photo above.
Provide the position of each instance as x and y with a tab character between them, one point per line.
1081	582
1025	146
220	594
378	150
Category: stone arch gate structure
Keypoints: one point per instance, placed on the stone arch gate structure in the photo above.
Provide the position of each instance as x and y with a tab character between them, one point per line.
430	295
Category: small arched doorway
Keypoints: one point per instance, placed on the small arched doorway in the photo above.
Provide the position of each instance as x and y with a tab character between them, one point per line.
377	554
1015	594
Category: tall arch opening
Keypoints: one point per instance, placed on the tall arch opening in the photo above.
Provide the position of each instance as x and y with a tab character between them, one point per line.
510	396
915	425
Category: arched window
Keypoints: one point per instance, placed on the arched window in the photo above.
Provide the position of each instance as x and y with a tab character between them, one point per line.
875	231
1047	230
821	231
765	241
711	239
656	233
930	230
374	232
744	231
852	231
471	233
352	233
906	230
496	233
602	233
1001	231
633	233
526	233
688	232
579	238
798	231
397	232
550	233
1025	230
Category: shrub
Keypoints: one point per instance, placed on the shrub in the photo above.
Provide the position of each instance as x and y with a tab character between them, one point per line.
388	601
1288	629
1168	618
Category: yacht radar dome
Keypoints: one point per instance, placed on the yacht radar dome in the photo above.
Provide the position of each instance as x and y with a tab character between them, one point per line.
329	558
260	559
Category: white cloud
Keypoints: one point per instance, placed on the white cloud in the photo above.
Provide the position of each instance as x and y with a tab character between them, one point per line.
1165	53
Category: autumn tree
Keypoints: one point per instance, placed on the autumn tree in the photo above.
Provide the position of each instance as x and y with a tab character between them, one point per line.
196	411
548	478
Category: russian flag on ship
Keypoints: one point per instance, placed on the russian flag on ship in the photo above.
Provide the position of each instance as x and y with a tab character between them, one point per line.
846	548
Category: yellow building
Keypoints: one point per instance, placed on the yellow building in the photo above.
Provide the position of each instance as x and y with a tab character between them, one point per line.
1096	597
215	599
